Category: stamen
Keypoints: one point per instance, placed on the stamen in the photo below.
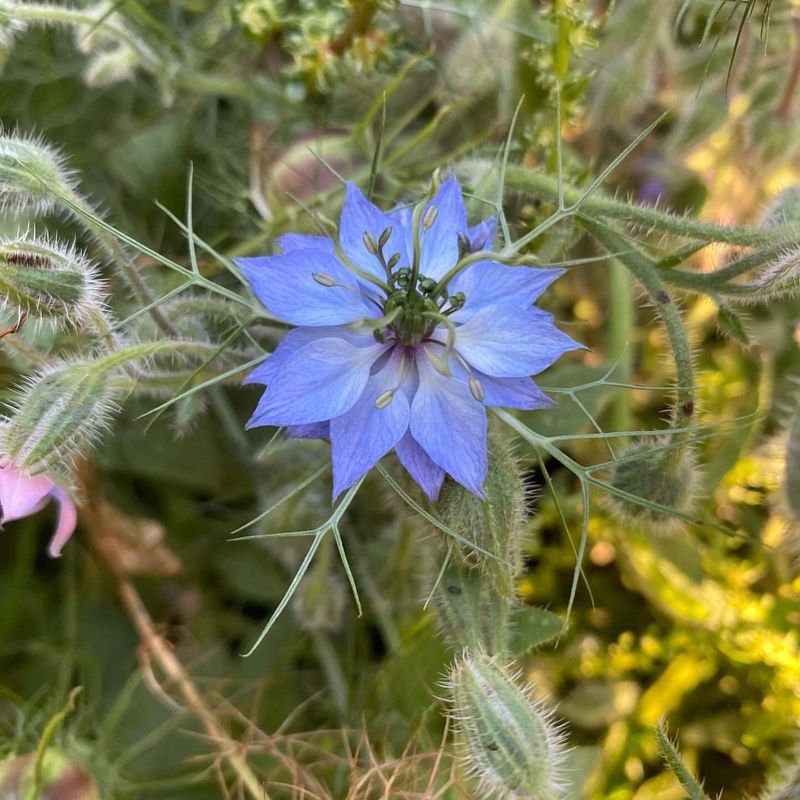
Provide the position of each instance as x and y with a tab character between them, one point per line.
370	243
385	398
475	386
430	217
323	279
384	237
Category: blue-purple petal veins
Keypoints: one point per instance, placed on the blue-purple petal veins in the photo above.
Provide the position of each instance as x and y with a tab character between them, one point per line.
417	380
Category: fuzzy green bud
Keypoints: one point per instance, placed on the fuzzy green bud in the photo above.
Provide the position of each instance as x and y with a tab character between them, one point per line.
31	174
496	524
780	278
45	280
469	613
509	741
660	473
787	785
59	413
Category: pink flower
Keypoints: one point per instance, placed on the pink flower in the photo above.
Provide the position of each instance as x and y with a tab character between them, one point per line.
22	494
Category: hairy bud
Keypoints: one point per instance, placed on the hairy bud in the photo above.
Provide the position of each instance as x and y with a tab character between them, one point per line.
470	614
45	280
110	66
60	412
780	278
787	785
31	174
509	741
497	524
661	473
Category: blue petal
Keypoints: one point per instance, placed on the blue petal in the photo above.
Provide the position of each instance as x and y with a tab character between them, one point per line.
481	236
439	250
359	216
286	286
450	425
513	393
290	242
314	430
418	464
507	342
293	341
507	392
364	434
487	283
321	380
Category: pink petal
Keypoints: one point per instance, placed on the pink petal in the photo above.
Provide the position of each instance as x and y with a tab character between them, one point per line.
67	520
21	494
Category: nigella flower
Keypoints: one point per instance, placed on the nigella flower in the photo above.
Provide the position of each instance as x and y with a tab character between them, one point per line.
22	494
406	331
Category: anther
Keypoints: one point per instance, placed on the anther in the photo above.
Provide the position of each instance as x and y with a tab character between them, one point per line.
384	237
429	217
370	243
476	389
384	398
323	279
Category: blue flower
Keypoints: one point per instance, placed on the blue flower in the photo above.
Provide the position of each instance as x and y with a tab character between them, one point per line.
406	329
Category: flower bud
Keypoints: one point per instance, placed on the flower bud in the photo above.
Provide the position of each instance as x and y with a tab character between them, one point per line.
785	210
496	524
663	473
469	612
31	174
787	785
46	280
780	278
509	741
59	413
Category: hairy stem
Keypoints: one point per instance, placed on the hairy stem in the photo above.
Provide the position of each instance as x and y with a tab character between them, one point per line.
538	184
650	278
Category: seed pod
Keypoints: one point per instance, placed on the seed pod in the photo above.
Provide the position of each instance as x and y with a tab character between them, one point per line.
48	281
31	175
662	473
60	412
509	741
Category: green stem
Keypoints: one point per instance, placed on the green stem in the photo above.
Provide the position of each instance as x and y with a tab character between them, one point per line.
521	178
650	278
620	328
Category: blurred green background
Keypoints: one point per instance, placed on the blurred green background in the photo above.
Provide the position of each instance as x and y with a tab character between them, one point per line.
690	623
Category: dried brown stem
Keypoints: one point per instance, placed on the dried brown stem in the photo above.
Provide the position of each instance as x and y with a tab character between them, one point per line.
95	519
